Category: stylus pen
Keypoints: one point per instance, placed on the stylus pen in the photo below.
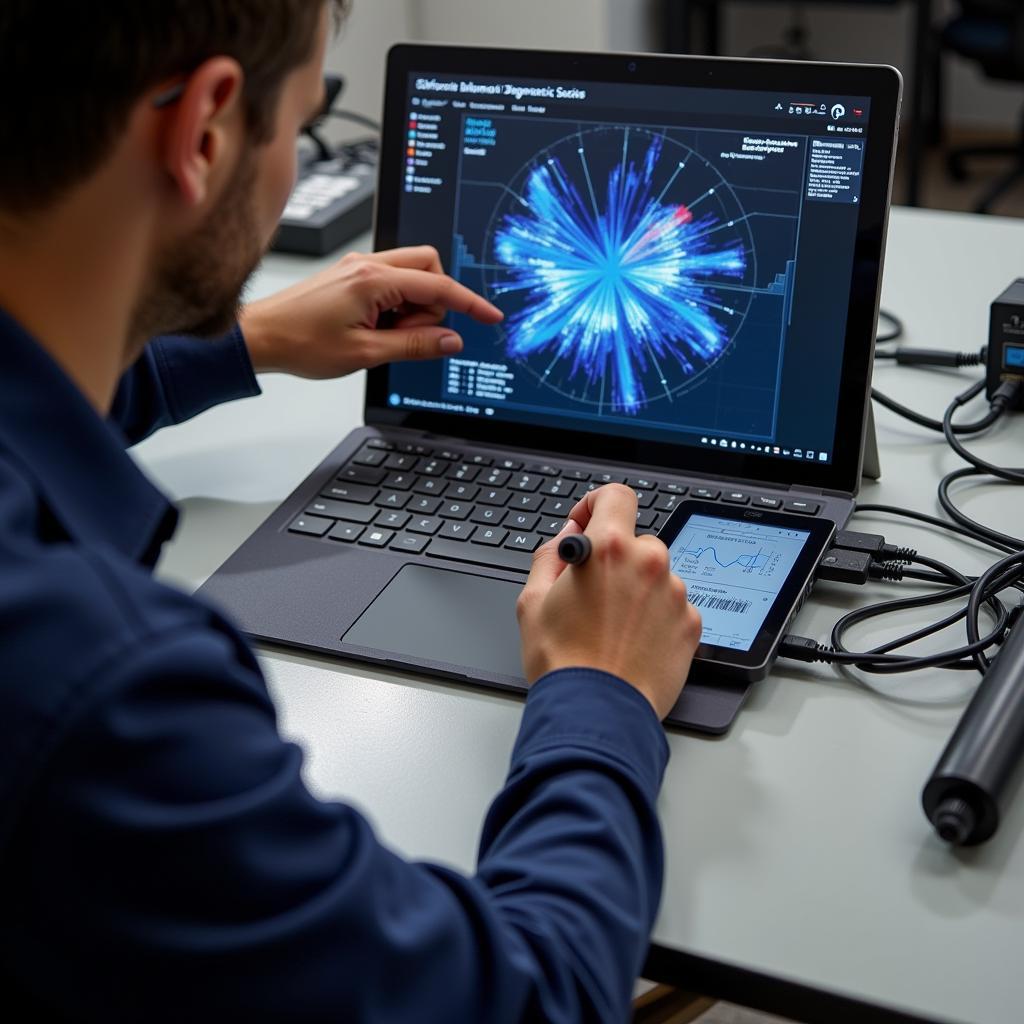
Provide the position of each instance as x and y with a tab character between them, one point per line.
574	549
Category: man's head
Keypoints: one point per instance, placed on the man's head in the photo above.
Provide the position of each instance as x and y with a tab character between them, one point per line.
195	105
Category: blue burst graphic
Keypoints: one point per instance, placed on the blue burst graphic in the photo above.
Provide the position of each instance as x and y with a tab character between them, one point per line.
608	291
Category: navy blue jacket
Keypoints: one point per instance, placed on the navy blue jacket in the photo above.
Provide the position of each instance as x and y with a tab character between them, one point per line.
160	857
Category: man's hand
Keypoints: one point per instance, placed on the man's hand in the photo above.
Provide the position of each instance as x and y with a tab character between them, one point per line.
326	326
622	611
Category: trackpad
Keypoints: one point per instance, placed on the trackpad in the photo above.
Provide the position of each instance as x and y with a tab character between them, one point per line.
455	618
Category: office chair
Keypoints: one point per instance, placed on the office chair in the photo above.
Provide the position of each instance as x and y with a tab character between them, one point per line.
990	32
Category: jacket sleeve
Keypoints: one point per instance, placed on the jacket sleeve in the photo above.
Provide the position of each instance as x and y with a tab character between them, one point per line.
178	377
178	862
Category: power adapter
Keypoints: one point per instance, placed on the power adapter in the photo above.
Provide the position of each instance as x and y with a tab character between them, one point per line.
1006	344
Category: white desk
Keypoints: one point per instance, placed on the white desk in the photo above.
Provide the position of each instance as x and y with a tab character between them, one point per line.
801	872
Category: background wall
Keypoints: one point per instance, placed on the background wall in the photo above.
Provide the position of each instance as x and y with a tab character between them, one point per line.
837	31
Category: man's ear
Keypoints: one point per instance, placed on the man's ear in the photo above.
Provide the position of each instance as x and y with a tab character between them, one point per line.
203	128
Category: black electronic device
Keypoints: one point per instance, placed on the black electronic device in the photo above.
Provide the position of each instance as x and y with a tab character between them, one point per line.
974	779
332	202
716	344
1006	341
748	572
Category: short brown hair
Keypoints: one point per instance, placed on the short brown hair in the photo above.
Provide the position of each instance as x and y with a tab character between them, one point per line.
72	70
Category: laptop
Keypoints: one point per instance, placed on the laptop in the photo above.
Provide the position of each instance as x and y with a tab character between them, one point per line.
689	254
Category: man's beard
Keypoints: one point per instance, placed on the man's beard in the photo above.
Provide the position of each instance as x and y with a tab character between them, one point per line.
197	286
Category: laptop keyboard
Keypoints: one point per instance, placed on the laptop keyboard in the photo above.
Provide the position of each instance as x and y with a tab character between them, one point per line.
479	508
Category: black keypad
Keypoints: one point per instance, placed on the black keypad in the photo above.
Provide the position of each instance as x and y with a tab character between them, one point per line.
481	509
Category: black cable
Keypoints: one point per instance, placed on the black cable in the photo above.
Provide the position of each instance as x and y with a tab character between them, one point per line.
932	424
923	517
1002	541
1004	396
895	332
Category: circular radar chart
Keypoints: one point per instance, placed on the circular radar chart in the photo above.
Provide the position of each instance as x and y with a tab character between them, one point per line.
624	264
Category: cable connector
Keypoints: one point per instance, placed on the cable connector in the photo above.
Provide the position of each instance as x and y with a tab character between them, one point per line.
840	566
938	357
874	545
892	572
802	648
1005	396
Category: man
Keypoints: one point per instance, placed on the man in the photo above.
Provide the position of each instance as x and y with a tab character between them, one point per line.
161	856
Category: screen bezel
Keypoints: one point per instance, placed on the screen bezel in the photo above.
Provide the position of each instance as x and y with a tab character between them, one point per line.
753	662
882	84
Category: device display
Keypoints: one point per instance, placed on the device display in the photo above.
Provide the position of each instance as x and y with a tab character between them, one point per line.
746	572
675	263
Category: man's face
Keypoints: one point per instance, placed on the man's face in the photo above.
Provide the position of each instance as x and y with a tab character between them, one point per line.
198	284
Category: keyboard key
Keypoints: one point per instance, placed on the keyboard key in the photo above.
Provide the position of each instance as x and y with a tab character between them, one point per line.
409	543
764	501
522	520
491	535
509	464
347	532
446	453
480	460
543	469
707	493
343	491
577	474
531	502
668	502
431	485
645	499
559	488
674	488
374	538
344	510
392	520
432	467
558	506
480	554
549	527
400	462
462	492
642	483
370	457
464	471
488	515
426	524
646	518
414	449
736	497
495	478
424	505
608	478
379	442
804	507
456	510
494	497
394	499
525	482
519	541
362	475
399	481
313	526
455	530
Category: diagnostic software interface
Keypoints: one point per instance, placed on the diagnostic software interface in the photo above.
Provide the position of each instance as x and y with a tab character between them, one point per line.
733	572
674	263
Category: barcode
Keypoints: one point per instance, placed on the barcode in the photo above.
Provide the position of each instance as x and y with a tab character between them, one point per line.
720	604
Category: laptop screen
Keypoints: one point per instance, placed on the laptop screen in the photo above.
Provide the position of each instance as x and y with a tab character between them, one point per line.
675	263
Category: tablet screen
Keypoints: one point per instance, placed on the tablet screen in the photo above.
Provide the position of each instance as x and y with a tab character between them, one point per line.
734	570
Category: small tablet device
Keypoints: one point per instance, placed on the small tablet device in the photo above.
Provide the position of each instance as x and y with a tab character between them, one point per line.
747	571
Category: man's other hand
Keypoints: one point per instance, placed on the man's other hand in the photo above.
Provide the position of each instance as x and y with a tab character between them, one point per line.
622	611
327	325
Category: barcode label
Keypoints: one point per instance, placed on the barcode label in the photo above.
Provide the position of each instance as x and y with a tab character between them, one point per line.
720	604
